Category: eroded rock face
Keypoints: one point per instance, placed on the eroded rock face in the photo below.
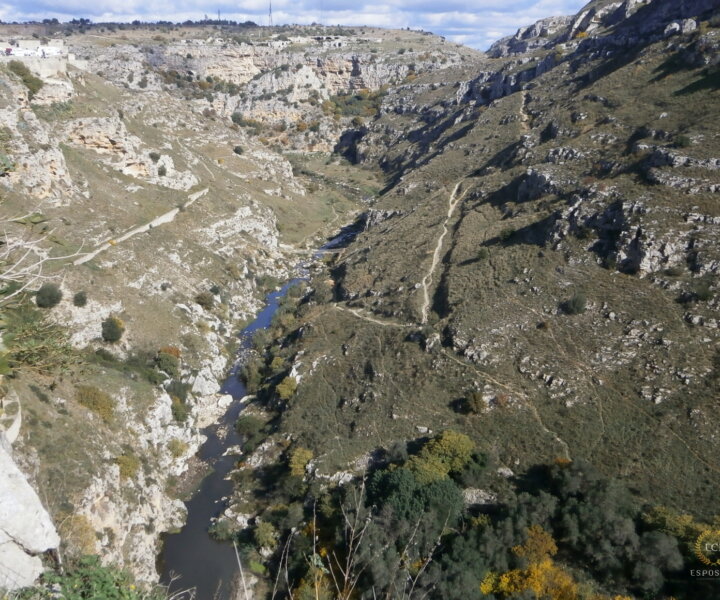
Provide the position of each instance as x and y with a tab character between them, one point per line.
131	511
529	38
125	152
26	529
39	166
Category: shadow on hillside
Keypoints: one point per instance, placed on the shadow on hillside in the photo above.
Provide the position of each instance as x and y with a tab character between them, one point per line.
709	81
534	234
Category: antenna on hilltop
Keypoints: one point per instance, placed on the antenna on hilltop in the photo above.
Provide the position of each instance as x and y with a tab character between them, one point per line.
270	14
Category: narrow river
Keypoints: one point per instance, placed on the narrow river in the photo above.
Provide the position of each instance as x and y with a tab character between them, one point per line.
192	560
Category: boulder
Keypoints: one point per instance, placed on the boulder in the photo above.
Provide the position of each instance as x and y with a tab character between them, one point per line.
205	383
17	568
25	527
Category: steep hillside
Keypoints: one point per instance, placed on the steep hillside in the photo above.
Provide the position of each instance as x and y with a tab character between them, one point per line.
502	383
596	179
163	180
540	274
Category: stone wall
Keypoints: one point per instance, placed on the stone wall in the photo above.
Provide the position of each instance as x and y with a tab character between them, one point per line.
42	67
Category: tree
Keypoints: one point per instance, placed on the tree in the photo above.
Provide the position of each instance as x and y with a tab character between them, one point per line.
299	459
538	546
22	258
448	452
265	535
397	489
286	388
542	576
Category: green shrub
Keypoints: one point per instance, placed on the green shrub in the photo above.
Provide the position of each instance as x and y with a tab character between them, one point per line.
575	305
251	428
238	150
95	400
80	299
298	461
703	291
178	389
277	364
177	447
240	120
361	104
48	295
162	171
286	388
129	465
179	410
6	165
248	425
683	141
87	578
154	376
223	530
257	567
474	403
265	535
168	363
674	271
30	81
112	329
251	376
268	282
154	156
206	300
506	233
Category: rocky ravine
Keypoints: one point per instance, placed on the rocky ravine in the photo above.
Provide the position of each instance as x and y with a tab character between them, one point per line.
571	288
148	195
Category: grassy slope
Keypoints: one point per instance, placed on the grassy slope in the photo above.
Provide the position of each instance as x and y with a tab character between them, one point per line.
553	381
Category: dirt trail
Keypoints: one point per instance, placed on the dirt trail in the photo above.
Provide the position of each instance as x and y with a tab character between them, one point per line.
427	280
360	315
167	217
515	391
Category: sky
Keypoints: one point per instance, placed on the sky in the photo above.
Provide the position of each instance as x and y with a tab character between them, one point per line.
476	23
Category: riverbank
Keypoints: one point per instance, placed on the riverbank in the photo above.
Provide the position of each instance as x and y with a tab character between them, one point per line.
199	558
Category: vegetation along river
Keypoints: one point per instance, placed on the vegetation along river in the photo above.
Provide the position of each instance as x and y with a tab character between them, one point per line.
191	559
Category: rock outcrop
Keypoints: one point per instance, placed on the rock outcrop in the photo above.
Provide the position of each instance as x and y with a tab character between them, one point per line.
26	530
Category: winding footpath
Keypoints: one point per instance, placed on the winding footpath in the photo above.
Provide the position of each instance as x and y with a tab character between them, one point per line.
167	217
360	315
427	280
